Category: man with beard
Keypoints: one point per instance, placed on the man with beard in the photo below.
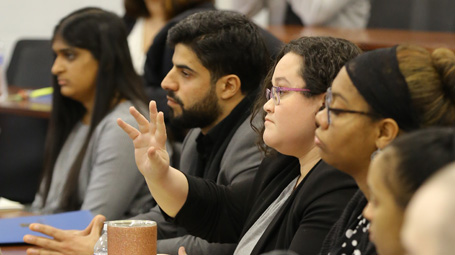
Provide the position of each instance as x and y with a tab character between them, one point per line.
219	62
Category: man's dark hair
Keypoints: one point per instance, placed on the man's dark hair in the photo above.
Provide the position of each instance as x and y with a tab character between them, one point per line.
226	43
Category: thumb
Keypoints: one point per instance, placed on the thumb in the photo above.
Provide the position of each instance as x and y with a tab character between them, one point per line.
182	251
97	224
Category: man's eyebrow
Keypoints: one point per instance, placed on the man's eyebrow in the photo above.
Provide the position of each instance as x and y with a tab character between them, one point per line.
184	67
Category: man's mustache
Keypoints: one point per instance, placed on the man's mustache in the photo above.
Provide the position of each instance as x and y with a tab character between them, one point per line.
172	95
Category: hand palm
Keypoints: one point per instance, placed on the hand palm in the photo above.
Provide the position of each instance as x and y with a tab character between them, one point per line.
146	142
149	141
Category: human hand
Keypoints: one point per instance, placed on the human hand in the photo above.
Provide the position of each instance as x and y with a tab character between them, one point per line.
182	251
68	242
152	159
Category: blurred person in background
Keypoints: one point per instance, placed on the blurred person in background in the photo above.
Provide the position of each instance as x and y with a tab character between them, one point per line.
429	222
325	13
395	175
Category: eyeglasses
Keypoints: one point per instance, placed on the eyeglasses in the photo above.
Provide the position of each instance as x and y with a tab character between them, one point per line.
330	110
275	93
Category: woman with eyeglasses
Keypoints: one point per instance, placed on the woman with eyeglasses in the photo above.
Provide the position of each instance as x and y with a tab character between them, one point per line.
376	97
295	197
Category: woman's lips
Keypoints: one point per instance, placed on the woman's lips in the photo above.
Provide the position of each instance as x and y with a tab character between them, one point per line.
62	82
267	120
318	142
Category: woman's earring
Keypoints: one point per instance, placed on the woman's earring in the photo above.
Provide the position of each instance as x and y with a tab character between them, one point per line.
375	153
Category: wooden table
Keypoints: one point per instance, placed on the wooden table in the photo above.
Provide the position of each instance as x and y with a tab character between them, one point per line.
24	107
14	249
369	39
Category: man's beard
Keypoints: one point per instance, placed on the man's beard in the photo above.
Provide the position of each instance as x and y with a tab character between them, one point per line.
201	114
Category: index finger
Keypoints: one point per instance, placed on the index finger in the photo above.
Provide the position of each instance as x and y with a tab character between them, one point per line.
35	251
56	233
45	243
128	129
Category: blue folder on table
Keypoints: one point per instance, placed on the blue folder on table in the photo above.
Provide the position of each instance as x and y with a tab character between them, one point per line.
12	230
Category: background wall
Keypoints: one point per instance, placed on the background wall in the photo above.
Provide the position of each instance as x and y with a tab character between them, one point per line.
21	19
37	18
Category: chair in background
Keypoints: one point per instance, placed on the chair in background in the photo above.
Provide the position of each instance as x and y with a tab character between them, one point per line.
30	64
433	15
22	138
21	156
390	14
425	15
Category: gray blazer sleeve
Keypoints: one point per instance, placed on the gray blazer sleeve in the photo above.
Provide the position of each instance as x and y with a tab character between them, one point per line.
242	156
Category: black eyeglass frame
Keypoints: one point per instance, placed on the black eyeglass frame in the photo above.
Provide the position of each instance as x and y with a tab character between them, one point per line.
328	101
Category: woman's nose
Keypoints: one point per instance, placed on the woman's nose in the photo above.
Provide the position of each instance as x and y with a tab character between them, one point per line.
321	119
269	105
57	67
367	213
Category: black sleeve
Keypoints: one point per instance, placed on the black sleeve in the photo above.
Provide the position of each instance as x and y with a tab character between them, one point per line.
214	212
331	192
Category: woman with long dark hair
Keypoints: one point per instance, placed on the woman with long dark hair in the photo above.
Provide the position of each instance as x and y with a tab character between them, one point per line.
88	160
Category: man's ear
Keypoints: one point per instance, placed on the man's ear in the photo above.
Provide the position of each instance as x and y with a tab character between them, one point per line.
388	131
228	86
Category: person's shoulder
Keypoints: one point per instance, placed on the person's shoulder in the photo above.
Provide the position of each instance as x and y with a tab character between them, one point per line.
120	111
191	135
245	131
324	170
326	178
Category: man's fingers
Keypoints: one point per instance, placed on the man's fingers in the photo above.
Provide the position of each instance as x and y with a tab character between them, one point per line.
95	225
182	251
37	251
48	230
129	130
142	122
152	109
44	242
161	135
153	113
98	224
